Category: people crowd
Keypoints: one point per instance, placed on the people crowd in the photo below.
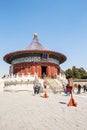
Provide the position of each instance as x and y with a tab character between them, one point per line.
79	89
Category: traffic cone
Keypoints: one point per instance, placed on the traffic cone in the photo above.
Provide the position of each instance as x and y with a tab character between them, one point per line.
45	95
72	101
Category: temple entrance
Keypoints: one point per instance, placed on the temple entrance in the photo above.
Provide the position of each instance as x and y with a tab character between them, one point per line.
44	71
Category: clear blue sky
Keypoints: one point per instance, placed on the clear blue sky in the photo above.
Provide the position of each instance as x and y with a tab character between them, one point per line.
61	26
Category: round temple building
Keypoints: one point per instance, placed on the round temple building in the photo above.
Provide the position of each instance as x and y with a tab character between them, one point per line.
35	59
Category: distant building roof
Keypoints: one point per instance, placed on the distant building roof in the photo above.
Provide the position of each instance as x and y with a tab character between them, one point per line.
80	80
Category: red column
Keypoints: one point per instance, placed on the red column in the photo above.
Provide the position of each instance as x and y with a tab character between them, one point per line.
32	70
56	70
52	72
48	71
26	71
39	70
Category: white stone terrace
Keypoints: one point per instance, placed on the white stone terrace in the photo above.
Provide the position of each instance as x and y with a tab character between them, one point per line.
25	83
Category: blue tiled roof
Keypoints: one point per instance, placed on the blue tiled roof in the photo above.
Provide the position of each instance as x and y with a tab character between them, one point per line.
35	45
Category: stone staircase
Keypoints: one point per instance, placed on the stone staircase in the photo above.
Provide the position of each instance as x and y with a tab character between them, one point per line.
55	86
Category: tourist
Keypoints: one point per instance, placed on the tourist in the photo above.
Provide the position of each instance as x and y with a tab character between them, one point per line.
34	89
45	85
79	89
85	88
68	89
64	88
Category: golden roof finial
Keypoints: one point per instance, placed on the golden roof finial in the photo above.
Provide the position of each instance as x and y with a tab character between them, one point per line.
35	35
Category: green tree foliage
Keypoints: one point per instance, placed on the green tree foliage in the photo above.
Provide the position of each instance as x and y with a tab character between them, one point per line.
68	73
76	73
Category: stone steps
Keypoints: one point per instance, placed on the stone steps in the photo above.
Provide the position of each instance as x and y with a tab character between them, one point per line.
54	85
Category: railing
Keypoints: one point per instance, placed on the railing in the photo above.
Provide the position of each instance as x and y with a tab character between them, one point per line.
18	80
15	82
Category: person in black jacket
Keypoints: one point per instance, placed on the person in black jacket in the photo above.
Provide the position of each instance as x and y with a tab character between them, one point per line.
79	89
